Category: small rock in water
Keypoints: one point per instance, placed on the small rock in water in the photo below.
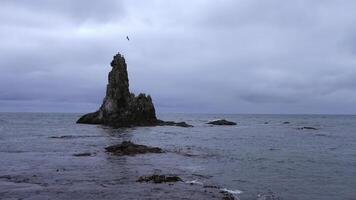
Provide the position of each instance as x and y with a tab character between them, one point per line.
159	179
129	148
82	154
286	122
221	122
307	128
171	123
62	137
274	149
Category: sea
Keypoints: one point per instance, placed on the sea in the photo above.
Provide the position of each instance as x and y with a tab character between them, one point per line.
262	155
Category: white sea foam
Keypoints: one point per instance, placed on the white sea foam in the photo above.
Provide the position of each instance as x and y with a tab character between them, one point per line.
217	119
194	182
233	192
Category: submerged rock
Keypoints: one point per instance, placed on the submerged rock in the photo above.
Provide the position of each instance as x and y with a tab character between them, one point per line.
307	128
159	179
221	122
129	148
121	108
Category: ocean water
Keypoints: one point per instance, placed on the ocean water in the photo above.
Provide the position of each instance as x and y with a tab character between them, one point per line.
262	154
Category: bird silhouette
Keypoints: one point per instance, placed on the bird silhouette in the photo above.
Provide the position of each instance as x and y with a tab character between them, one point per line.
127	37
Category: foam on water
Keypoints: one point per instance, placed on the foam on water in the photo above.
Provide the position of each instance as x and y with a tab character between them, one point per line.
196	182
233	192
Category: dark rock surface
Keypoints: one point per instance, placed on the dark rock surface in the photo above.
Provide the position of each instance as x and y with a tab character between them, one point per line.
121	108
82	154
171	123
227	196
221	122
159	178
307	128
129	148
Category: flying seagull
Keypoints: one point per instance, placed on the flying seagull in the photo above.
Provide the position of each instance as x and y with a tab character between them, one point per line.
127	37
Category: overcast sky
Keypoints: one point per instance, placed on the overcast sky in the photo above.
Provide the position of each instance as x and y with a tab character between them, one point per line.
227	56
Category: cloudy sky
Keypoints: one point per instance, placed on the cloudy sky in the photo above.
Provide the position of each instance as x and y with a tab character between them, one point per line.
228	56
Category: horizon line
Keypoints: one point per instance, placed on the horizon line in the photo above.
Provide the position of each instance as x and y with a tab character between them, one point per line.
191	113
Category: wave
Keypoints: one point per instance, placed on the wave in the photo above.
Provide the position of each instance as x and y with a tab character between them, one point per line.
233	192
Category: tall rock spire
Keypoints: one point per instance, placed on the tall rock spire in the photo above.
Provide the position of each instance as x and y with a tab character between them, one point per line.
121	108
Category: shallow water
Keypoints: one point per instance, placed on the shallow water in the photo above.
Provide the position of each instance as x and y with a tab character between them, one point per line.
37	161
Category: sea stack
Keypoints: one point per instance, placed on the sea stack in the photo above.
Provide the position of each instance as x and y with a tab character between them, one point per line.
120	107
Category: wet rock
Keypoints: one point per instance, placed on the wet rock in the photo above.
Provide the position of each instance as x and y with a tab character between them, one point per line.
160	178
286	122
129	148
307	128
120	107
227	196
62	137
62	169
82	154
171	123
221	122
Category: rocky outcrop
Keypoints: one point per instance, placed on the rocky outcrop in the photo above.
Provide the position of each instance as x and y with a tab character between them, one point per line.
159	178
121	108
172	123
221	122
129	148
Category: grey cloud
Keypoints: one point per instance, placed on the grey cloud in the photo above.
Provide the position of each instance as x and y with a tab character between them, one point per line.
78	11
243	56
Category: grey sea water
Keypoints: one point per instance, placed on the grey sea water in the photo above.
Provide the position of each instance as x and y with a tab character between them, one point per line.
262	154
